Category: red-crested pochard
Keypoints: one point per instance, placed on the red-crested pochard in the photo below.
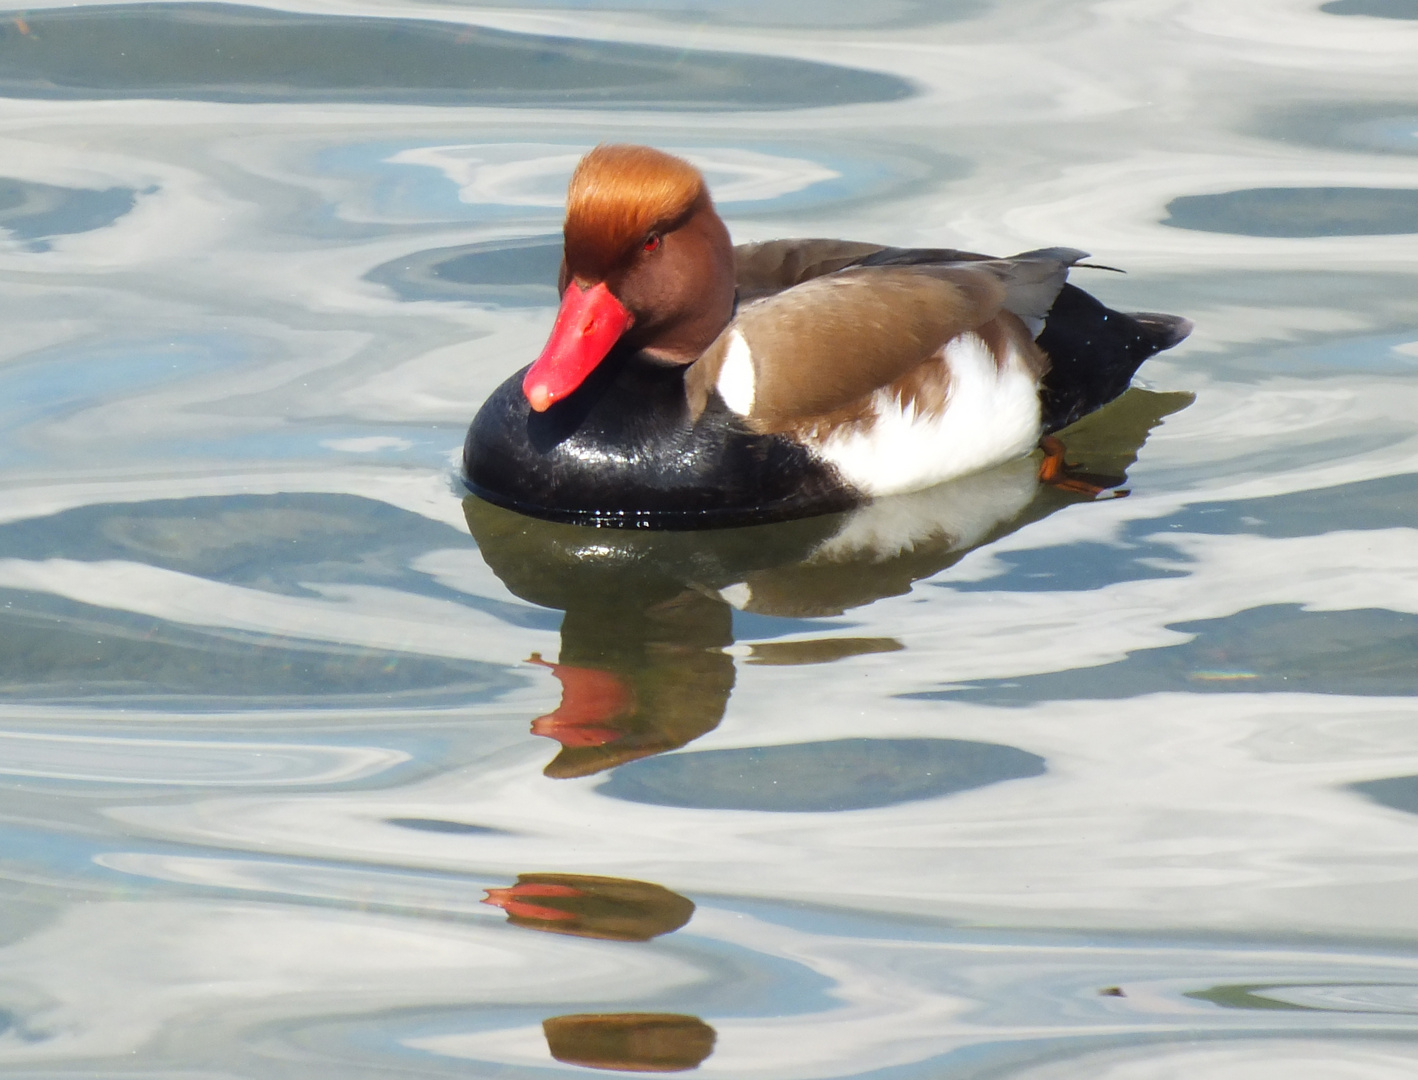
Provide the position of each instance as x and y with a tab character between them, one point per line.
690	383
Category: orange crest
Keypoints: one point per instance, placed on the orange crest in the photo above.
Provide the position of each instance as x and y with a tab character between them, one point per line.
618	196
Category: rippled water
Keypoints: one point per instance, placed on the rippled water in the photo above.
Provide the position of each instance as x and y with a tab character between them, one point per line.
990	782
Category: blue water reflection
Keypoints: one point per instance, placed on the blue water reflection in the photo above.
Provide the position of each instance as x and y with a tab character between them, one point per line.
36	212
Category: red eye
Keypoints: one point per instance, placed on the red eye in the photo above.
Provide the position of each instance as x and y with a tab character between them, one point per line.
652	241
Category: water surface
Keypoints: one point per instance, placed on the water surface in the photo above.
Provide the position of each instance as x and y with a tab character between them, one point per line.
313	766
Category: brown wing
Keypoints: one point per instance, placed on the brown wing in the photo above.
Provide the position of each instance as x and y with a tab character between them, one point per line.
827	343
768	268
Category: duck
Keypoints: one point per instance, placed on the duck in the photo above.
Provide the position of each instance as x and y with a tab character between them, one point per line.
691	383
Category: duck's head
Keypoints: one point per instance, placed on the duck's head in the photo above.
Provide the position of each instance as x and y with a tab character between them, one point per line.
647	265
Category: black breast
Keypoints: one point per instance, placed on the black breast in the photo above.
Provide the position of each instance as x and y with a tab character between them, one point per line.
621	451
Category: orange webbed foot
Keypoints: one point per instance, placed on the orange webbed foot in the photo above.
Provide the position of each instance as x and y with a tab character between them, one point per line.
1055	471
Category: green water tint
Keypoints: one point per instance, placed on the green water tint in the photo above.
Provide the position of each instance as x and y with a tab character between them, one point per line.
1245	997
1374	998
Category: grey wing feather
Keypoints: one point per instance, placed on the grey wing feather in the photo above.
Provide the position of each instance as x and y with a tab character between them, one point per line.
1032	281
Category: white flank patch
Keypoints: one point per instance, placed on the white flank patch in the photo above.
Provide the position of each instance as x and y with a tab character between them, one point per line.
991	416
738	595
736	379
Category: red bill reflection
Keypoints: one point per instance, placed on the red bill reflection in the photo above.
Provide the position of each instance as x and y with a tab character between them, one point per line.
616	909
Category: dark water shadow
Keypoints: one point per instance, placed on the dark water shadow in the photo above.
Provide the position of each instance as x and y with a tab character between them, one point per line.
59	649
509	273
840	774
444	826
231	53
1395	792
1275	648
1377	9
35	212
1382	127
1299	212
649	615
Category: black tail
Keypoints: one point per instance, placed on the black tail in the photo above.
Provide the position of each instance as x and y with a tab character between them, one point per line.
1095	351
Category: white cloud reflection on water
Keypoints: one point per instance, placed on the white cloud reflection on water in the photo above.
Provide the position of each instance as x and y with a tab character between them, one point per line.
165	762
509	174
1163	812
118	975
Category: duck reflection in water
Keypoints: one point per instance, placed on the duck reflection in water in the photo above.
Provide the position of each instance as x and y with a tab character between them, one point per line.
630	1042
643	664
613	909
